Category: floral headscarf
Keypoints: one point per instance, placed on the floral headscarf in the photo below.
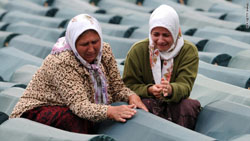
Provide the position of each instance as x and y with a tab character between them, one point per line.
164	16
75	28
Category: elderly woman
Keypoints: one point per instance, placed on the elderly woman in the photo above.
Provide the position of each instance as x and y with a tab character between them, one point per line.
163	68
76	83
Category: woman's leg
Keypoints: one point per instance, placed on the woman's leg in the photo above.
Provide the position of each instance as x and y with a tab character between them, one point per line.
184	113
59	117
155	107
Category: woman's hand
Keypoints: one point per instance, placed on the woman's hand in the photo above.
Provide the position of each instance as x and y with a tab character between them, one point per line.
121	113
156	90
166	88
136	100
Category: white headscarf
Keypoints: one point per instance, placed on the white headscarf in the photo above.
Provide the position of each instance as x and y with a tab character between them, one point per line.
166	17
75	28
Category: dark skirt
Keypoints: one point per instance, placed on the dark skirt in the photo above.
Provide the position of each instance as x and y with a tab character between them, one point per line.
60	117
184	113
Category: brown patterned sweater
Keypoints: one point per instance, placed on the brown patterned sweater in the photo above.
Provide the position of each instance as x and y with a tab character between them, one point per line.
62	80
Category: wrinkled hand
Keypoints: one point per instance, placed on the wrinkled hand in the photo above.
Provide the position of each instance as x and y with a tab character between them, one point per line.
121	113
166	88
136	100
156	90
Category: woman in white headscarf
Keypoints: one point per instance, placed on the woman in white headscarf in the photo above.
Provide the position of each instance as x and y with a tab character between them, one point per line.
77	82
162	69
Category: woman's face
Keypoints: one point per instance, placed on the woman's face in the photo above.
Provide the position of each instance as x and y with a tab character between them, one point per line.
162	38
88	45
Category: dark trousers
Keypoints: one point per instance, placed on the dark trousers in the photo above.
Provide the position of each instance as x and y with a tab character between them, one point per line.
60	117
184	113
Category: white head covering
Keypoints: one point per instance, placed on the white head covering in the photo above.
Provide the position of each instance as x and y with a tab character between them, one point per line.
78	25
164	16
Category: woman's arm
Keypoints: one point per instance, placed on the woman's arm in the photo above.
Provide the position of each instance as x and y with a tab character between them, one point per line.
117	88
186	71
137	74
